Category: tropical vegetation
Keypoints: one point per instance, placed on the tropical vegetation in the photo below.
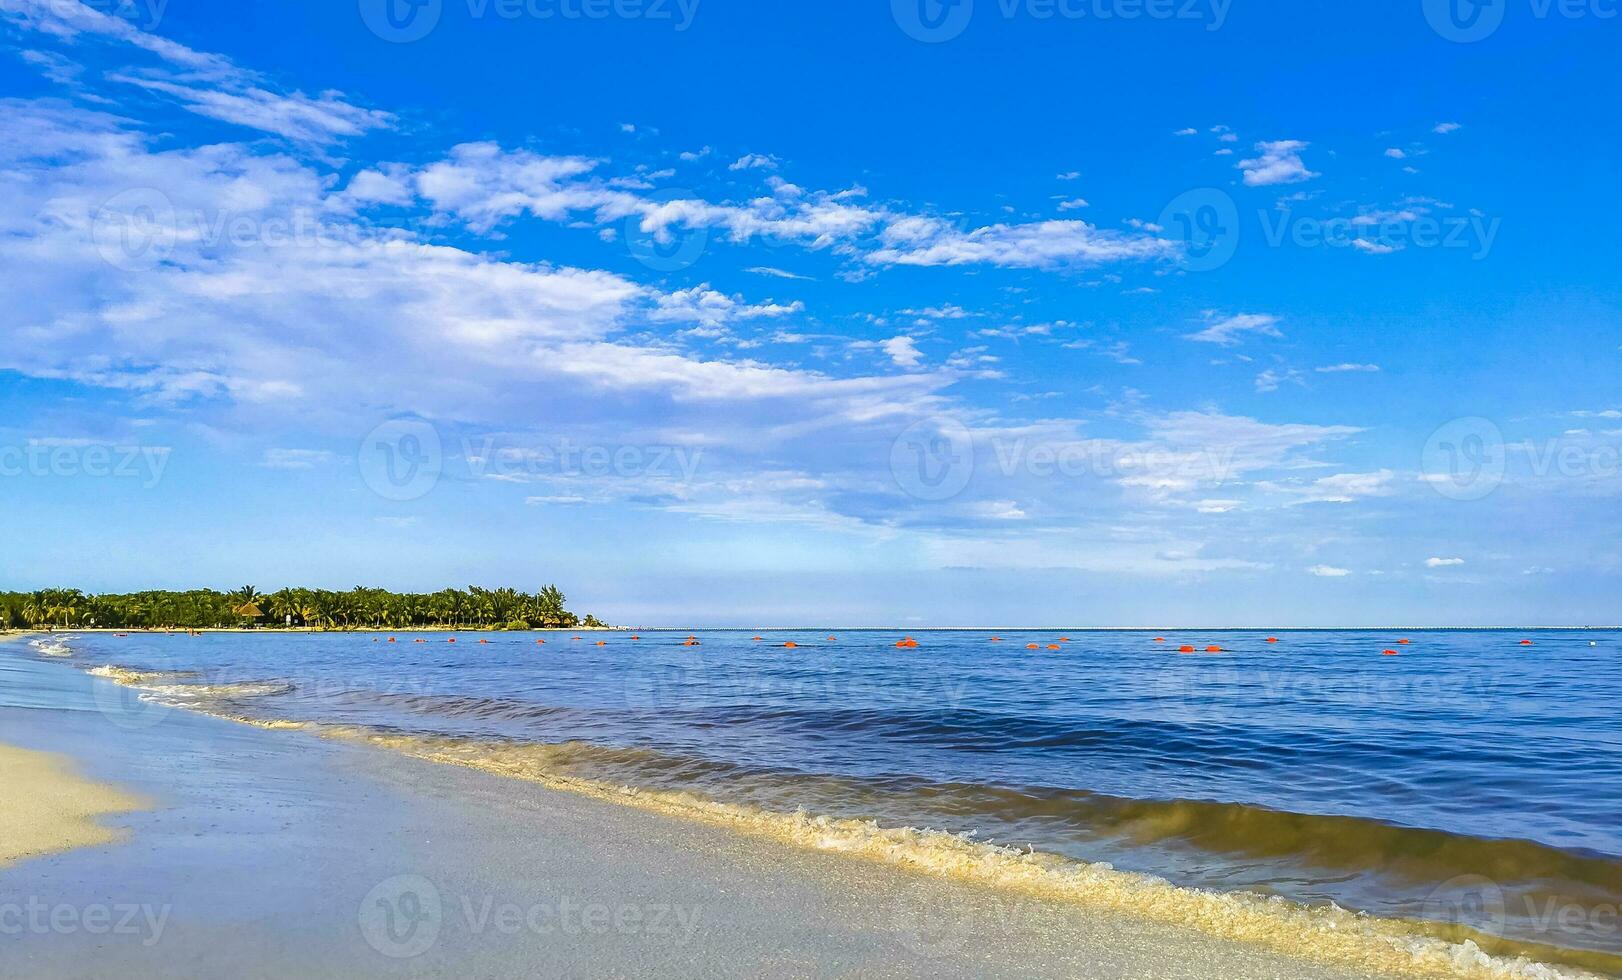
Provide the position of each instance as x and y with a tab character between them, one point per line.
358	608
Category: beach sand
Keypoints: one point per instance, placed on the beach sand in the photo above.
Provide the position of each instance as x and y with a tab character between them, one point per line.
277	853
49	809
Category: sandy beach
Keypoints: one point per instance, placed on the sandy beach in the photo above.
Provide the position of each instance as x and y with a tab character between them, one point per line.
274	853
50	809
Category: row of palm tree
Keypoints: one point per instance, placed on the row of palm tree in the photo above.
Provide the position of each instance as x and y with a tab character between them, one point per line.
359	608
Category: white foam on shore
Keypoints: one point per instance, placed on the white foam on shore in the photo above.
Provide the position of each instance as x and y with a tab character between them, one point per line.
1321	934
52	647
1328	934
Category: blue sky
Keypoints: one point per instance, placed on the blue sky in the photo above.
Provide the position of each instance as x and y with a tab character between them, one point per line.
722	312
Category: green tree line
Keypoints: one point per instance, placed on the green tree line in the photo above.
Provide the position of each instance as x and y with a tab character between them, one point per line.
359	608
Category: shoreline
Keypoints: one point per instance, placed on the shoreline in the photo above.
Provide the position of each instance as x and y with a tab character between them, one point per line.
1327	937
51	809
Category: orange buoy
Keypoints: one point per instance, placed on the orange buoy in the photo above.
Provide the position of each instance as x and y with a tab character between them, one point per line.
1032	646
996	639
1053	646
758	639
1272	639
1160	639
833	639
391	639
1526	643
1064	639
602	643
484	641
1388	653
1185	649
791	644
690	643
450	639
1404	642
1213	649
541	642
421	640
906	642
636	637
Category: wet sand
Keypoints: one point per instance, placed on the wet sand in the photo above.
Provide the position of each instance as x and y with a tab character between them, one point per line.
50	809
278	853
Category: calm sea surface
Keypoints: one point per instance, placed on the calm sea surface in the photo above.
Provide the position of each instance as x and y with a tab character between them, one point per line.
1469	778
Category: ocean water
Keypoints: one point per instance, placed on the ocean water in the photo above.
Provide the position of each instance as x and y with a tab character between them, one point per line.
1470	782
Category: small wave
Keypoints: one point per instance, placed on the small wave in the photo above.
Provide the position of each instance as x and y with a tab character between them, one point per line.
220	692
51	647
176	686
130	677
1328	934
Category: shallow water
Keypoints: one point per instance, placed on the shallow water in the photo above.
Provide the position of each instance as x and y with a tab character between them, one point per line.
1468	779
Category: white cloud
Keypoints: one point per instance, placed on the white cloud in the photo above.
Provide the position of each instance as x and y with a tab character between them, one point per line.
1395	153
1074	204
1270	379
1373	247
295	459
754	161
207	84
1347	367
1443	562
1279	163
1342	488
1329	571
903	351
1187	131
1229	330
766	270
1045	244
1444	128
